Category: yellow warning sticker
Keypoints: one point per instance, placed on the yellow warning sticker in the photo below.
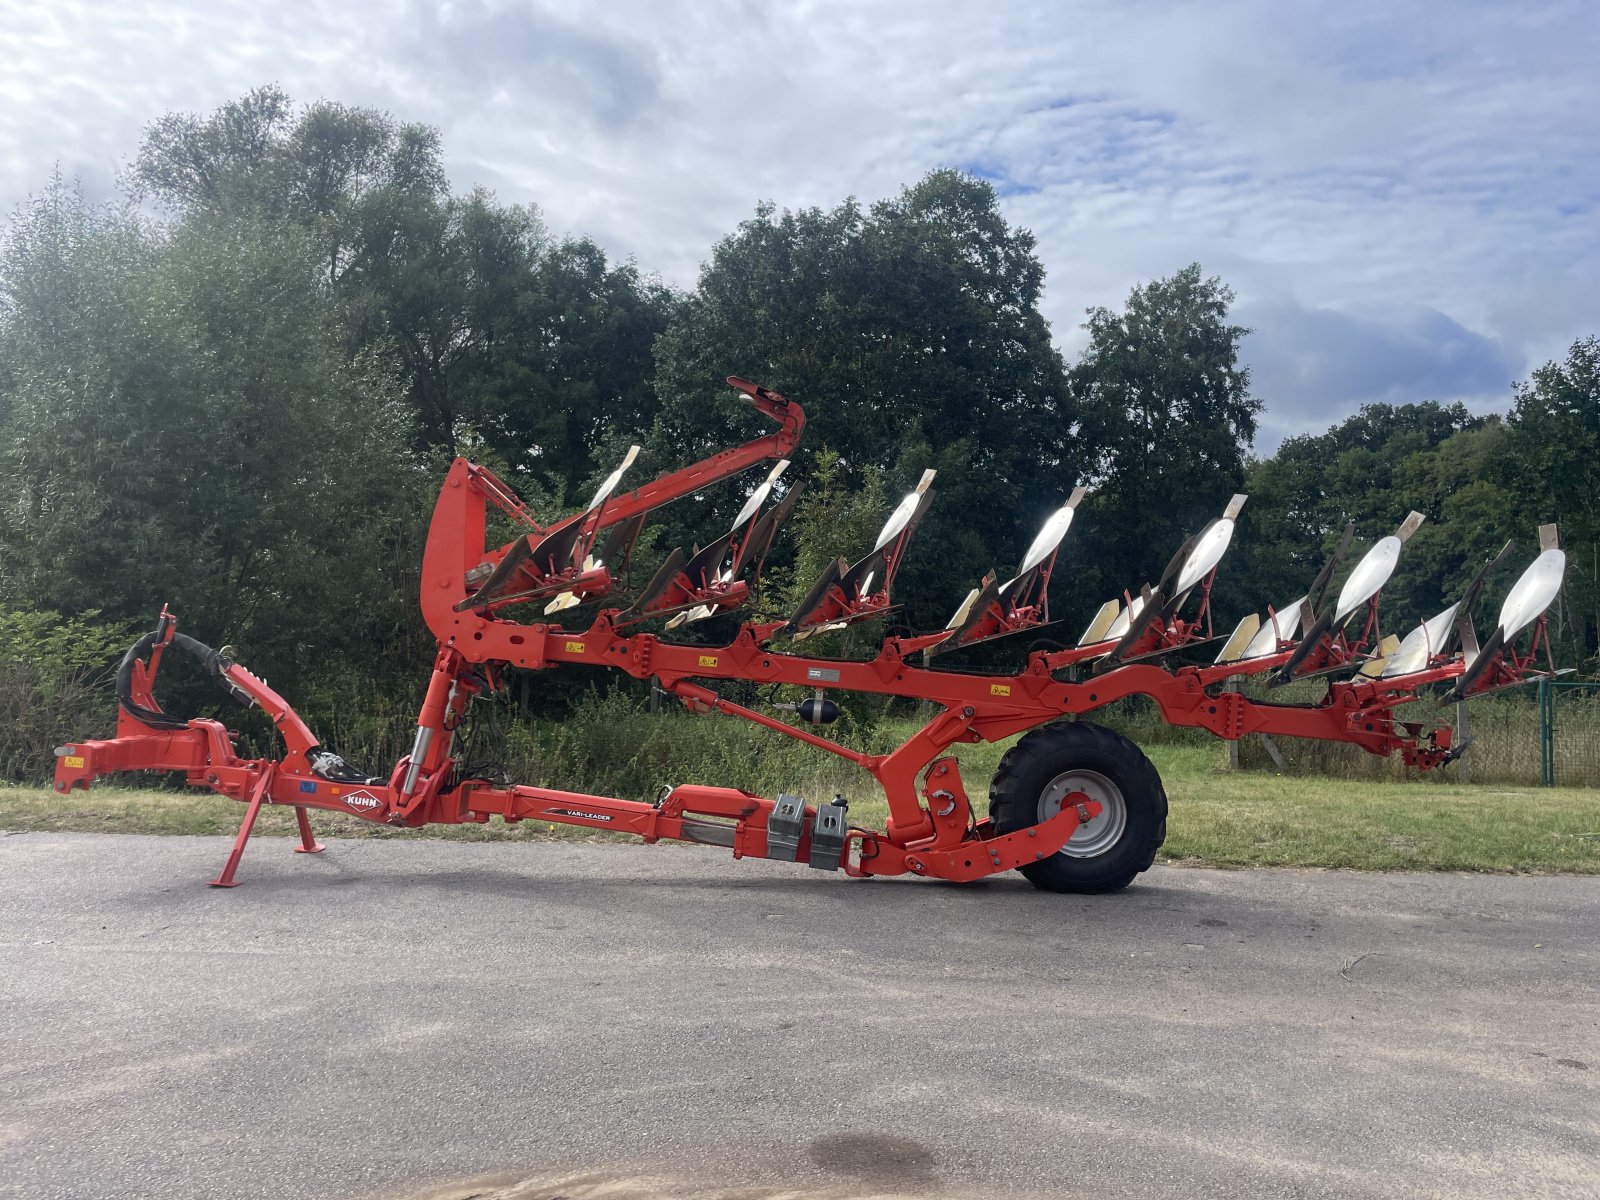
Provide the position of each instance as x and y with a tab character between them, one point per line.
999	689
708	660
75	761
574	647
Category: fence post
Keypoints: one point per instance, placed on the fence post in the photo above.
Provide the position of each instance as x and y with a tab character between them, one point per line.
1463	733
1547	714
1233	743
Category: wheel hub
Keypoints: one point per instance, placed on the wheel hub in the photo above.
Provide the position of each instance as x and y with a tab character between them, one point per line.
1102	831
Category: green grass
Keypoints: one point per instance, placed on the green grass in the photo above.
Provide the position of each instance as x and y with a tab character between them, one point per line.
1219	817
1224	818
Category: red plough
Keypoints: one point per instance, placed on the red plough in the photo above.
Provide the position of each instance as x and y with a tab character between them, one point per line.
1074	806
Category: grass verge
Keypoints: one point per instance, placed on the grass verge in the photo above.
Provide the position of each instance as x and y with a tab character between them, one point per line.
1219	818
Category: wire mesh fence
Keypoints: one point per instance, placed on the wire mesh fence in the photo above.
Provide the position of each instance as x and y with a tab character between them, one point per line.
1569	733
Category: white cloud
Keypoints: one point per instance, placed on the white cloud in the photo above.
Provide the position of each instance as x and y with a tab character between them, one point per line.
1345	169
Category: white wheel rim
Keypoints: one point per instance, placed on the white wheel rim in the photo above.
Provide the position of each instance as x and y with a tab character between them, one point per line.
1098	834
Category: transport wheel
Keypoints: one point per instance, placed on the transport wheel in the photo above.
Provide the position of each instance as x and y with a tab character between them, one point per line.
1048	764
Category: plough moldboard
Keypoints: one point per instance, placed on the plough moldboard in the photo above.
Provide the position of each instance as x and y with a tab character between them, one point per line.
1074	806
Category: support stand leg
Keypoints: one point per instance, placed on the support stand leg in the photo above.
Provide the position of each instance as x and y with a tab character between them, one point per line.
226	879
308	843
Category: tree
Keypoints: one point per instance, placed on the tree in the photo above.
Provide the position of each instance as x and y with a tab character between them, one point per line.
190	162
1554	465
1166	413
567	364
529	345
911	333
1372	469
181	423
433	284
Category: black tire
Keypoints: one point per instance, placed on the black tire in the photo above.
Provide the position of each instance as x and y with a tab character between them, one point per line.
1106	854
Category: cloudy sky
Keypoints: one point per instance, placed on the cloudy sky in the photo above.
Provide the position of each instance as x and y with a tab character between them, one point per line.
1406	197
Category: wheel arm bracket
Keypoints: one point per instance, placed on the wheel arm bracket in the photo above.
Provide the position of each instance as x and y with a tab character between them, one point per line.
989	856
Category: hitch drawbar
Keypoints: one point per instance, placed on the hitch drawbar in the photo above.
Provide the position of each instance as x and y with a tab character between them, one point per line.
786	827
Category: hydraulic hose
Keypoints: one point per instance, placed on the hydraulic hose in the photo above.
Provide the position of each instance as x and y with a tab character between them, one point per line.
213	662
322	761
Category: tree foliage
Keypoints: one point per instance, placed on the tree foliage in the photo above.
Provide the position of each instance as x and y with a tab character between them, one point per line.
182	424
536	345
1166	417
911	331
1553	466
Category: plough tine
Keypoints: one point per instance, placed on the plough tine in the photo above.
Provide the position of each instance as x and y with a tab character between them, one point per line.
996	610
907	512
523	573
693	587
885	555
1525	604
1041	554
1325	649
705	567
1319	586
1374	569
658	585
617	551
1208	549
831	574
703	572
1534	592
559	563
570	544
753	551
847	593
1308	644
1154	628
1280	626
1427	642
981	602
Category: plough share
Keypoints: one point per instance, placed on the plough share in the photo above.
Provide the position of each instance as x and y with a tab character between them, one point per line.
1073	806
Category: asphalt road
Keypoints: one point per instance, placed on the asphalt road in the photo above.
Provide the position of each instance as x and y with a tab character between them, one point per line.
391	1016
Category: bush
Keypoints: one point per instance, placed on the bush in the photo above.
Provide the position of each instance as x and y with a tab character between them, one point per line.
55	686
